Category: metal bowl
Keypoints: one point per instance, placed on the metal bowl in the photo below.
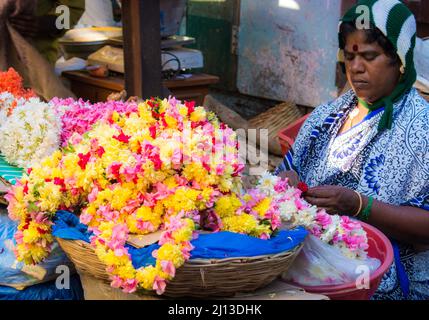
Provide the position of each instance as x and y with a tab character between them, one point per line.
82	42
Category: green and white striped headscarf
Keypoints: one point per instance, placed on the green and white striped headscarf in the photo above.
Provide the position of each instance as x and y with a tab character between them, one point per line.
398	24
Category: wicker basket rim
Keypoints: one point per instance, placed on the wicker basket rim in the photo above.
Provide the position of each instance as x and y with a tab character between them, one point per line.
197	279
211	260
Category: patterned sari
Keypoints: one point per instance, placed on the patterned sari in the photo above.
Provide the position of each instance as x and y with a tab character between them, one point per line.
391	166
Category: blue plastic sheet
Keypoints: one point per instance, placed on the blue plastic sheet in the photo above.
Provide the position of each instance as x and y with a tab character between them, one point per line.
45	291
215	246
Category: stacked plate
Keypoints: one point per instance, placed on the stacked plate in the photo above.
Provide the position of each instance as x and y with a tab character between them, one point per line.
82	42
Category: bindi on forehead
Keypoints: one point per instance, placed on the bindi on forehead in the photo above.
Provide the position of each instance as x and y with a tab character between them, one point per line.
355	48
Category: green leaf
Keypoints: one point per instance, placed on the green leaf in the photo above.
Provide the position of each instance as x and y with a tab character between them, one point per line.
36	187
69	149
266	222
32	207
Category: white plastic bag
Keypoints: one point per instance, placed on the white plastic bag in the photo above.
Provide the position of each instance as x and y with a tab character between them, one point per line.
319	263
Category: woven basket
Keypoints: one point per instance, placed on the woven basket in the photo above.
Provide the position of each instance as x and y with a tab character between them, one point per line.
274	120
198	278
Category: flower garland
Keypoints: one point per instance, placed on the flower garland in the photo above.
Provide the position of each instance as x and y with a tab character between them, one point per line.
8	102
12	82
156	166
30	133
339	231
12	93
78	116
253	214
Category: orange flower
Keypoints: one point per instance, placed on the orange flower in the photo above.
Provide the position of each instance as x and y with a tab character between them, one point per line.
12	82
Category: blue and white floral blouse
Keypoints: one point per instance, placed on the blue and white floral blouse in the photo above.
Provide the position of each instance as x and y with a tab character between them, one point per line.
391	166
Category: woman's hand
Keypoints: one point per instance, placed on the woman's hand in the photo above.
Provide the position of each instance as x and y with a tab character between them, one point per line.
334	199
292	177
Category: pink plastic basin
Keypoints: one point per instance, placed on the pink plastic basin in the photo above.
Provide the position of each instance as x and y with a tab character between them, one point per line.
380	248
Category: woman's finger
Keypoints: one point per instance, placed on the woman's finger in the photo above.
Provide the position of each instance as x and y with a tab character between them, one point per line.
319	202
320	192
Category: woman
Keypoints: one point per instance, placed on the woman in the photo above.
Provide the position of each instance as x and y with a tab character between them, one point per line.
366	154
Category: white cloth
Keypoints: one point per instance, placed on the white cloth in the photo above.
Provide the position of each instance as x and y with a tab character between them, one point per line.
69	65
98	13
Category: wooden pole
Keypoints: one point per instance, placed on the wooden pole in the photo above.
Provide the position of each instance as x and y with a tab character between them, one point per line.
142	47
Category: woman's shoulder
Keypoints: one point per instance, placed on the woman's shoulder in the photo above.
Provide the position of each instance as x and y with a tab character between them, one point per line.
421	102
413	123
417	108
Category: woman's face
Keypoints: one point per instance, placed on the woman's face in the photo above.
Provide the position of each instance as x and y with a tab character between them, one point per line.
369	70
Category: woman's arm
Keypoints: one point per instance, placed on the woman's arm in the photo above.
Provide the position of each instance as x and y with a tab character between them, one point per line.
403	223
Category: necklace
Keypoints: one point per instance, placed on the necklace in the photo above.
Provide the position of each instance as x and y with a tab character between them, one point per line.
353	115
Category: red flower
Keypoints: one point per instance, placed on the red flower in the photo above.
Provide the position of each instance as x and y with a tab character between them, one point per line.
58	181
114	168
100	151
152	130
207	167
162	118
29	170
191	106
152	102
302	186
122	137
197	124
237	169
155	115
25	190
41	231
156	161
148	148
83	160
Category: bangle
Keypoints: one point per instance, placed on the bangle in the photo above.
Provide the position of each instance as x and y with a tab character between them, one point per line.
367	211
360	204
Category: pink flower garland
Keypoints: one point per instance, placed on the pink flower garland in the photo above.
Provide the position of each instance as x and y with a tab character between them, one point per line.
78	116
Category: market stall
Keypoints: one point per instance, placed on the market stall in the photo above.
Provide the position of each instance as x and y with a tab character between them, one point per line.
141	188
149	197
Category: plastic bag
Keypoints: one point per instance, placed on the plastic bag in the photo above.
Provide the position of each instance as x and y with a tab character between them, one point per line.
16	274
319	263
45	291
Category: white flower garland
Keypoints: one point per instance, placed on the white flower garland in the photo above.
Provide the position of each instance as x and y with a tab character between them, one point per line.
6	101
31	133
